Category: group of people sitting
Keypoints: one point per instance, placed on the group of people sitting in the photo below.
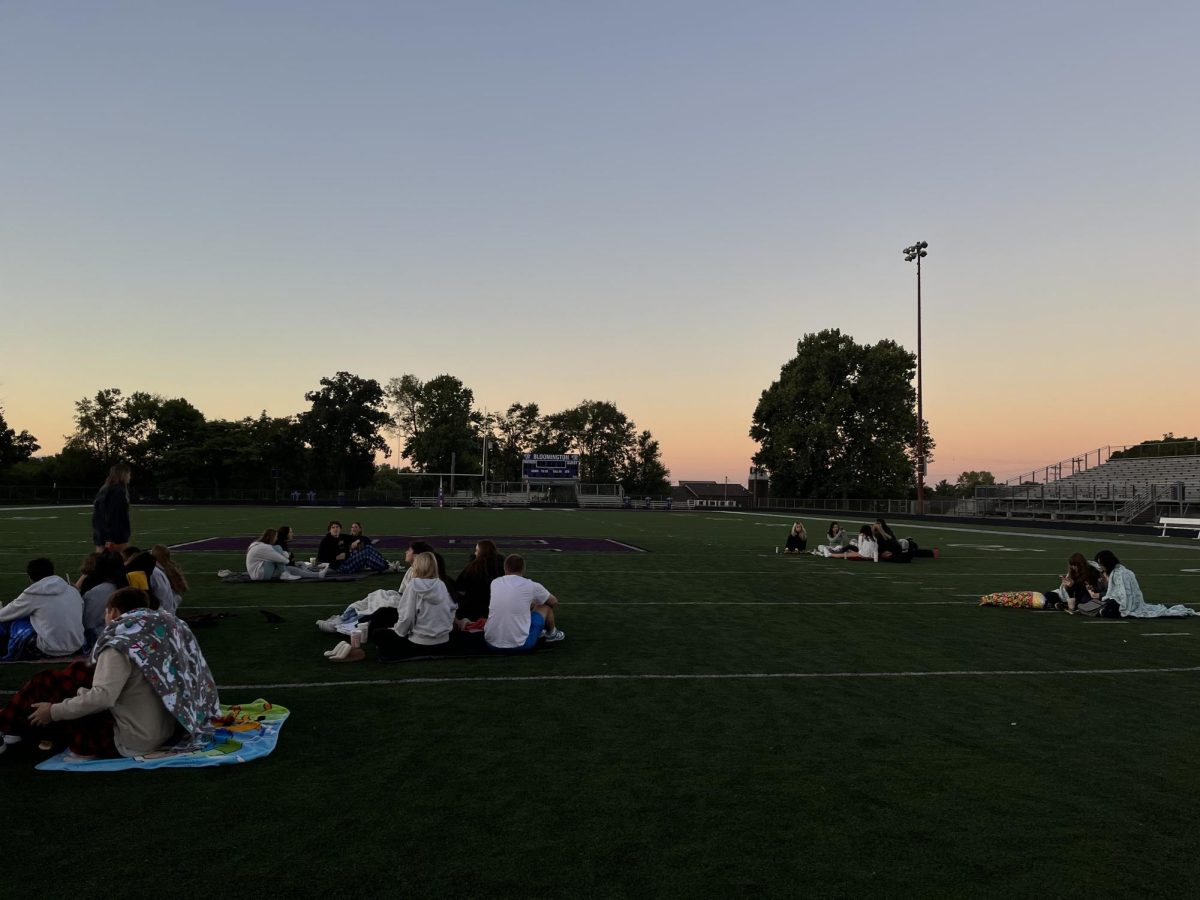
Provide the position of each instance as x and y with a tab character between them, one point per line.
144	685
270	558
490	605
53	618
876	542
1105	587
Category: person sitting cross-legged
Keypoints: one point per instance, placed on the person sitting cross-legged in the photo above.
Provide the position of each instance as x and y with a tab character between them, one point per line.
50	608
361	554
519	611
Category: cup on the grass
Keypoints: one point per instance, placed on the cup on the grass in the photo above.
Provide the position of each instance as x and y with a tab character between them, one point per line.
312	561
355	639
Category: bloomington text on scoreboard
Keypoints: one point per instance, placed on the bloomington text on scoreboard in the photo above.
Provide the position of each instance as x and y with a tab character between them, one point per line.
550	465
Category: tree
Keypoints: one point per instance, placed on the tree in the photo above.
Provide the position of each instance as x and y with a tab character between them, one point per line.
342	429
600	433
520	429
839	421
645	474
944	489
968	481
15	448
438	423
102	426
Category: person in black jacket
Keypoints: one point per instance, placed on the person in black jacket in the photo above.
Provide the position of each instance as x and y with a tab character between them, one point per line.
334	547
110	511
474	584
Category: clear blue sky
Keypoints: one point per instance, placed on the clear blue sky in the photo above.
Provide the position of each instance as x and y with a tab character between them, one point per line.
642	202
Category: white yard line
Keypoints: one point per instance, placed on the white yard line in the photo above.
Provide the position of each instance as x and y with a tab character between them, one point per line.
198	541
740	676
47	508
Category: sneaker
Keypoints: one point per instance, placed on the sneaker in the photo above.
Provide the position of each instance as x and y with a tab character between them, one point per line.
329	626
288	576
224	573
556	635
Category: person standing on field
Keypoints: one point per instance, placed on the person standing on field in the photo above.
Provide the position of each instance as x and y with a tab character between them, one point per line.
110	511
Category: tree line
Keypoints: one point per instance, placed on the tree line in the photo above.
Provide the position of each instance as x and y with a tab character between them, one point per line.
175	449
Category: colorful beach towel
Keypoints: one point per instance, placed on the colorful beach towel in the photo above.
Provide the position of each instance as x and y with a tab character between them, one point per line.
242	733
1020	599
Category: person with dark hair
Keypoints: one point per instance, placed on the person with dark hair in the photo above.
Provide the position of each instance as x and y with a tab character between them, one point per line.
474	584
88	578
283	540
115	705
1073	589
139	567
334	547
45	620
864	548
110	511
836	540
519	611
1122	596
110	569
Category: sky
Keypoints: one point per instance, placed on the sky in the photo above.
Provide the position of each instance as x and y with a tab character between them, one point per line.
642	202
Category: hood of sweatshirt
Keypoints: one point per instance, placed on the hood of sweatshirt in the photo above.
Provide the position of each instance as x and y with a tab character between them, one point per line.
48	586
426	590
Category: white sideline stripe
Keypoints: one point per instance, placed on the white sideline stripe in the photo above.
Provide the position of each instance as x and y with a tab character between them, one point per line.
189	543
46	507
715	676
1099	539
574	603
1163	633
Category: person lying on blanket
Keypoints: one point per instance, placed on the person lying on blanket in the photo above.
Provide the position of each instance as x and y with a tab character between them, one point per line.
519	611
145	680
51	607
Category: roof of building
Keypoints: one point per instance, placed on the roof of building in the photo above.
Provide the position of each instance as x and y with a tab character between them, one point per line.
714	490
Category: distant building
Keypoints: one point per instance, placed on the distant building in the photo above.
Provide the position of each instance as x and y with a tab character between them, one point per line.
711	493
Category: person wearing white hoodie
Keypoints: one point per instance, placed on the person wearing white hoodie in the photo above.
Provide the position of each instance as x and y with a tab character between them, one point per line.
424	616
54	609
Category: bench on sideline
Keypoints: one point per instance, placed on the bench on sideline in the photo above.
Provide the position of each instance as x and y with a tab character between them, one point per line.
445	501
1166	523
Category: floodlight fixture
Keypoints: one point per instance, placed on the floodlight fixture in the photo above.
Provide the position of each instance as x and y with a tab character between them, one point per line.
918	251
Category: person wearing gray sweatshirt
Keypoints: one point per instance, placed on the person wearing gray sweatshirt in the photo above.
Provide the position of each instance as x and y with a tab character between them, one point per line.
53	607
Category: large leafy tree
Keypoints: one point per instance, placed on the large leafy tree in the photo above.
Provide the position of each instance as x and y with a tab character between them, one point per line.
15	448
839	421
600	433
102	426
518	430
437	421
342	428
645	473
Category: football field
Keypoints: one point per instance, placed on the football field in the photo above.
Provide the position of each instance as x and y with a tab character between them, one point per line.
721	721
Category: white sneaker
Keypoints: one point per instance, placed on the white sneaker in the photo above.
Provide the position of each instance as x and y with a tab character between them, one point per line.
555	635
224	573
288	576
329	626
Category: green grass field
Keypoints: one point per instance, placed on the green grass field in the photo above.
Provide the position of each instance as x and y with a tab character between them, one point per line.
720	721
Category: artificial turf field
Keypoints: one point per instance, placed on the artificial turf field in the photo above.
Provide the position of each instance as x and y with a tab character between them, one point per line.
720	721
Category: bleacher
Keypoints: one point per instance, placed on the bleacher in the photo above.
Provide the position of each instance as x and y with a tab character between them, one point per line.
601	501
1121	490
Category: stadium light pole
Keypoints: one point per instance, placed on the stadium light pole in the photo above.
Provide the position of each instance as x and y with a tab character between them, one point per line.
918	251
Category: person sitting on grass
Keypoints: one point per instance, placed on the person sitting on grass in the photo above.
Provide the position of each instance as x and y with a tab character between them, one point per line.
1122	596
1073	589
266	562
130	698
836	540
797	539
361	554
334	547
167	579
864	548
283	540
474	584
49	608
521	611
88	578
419	626
139	573
110	569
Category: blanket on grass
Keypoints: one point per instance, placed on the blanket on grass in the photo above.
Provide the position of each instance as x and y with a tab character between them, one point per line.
242	733
244	578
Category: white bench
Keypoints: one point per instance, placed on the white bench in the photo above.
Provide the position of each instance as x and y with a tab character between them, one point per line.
1179	523
448	501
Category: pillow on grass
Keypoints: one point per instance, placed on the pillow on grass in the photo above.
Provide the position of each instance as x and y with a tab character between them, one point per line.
1020	599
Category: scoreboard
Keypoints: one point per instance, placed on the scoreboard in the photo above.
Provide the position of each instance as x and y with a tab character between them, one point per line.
550	466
